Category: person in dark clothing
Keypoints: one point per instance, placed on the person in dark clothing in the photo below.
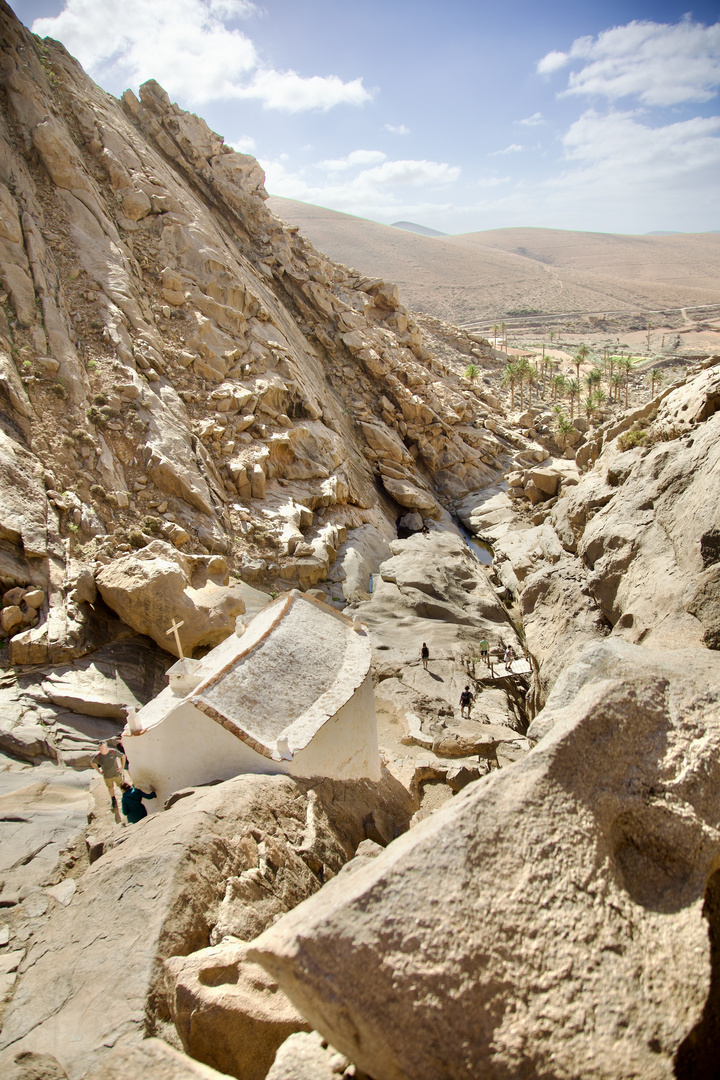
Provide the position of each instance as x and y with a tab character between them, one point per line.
132	806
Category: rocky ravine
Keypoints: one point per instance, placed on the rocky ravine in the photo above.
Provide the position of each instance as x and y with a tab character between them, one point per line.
199	409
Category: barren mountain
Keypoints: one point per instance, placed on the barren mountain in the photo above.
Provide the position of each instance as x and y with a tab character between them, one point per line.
488	275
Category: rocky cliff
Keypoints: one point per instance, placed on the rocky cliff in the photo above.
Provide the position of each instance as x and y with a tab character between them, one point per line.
177	364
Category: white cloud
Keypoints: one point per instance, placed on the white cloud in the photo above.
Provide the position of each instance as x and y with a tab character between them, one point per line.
293	93
356	157
534	120
189	48
659	63
620	141
244	145
551	62
397	129
513	148
377	191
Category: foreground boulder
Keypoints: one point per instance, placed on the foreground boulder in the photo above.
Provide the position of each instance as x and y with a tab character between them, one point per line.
548	921
153	587
225	860
228	1011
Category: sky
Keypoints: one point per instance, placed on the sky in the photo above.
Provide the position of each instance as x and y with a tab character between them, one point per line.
461	115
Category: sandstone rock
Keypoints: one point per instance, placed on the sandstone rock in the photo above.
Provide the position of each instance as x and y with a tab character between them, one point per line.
151	1057
464	739
157	585
10	617
227	859
413	522
406	494
610	903
306	1056
136	205
228	1012
29	1066
546	480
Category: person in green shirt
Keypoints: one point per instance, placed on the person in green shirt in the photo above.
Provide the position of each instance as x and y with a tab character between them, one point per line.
484	647
132	806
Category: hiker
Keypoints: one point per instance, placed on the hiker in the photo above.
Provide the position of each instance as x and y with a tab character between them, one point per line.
466	700
484	650
425	655
132	806
110	764
509	655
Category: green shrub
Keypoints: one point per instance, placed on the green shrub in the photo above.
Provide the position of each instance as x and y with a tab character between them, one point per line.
633	438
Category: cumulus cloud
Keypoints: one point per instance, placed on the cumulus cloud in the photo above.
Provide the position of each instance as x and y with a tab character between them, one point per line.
619	140
551	62
659	63
356	157
397	129
245	144
190	47
379	190
534	120
513	148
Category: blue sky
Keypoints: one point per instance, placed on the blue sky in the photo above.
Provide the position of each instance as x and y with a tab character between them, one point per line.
462	116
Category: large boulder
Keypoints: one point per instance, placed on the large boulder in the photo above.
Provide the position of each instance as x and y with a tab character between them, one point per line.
548	921
224	860
158	585
228	1011
411	497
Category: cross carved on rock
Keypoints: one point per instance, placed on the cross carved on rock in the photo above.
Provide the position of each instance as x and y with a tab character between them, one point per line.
174	630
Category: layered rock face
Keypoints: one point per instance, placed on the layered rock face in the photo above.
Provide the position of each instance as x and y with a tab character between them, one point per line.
629	548
177	364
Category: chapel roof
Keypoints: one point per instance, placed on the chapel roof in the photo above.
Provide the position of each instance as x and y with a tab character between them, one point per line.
297	664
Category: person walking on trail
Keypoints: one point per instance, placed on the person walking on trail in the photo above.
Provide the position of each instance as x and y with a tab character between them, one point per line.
424	655
484	650
466	700
132	806
110	764
509	656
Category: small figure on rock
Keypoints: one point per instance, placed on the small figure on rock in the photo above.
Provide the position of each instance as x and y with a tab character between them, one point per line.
484	650
466	700
424	655
132	806
425	531
509	656
110	764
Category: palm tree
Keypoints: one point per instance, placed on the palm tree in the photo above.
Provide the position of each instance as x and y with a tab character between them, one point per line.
589	405
471	372
509	378
656	376
495	332
626	365
616	382
582	354
600	397
558	385
503	328
594	378
572	389
563	428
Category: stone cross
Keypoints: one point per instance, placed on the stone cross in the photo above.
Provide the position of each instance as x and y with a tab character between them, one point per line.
174	630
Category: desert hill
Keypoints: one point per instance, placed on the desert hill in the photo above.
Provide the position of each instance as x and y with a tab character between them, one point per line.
488	275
